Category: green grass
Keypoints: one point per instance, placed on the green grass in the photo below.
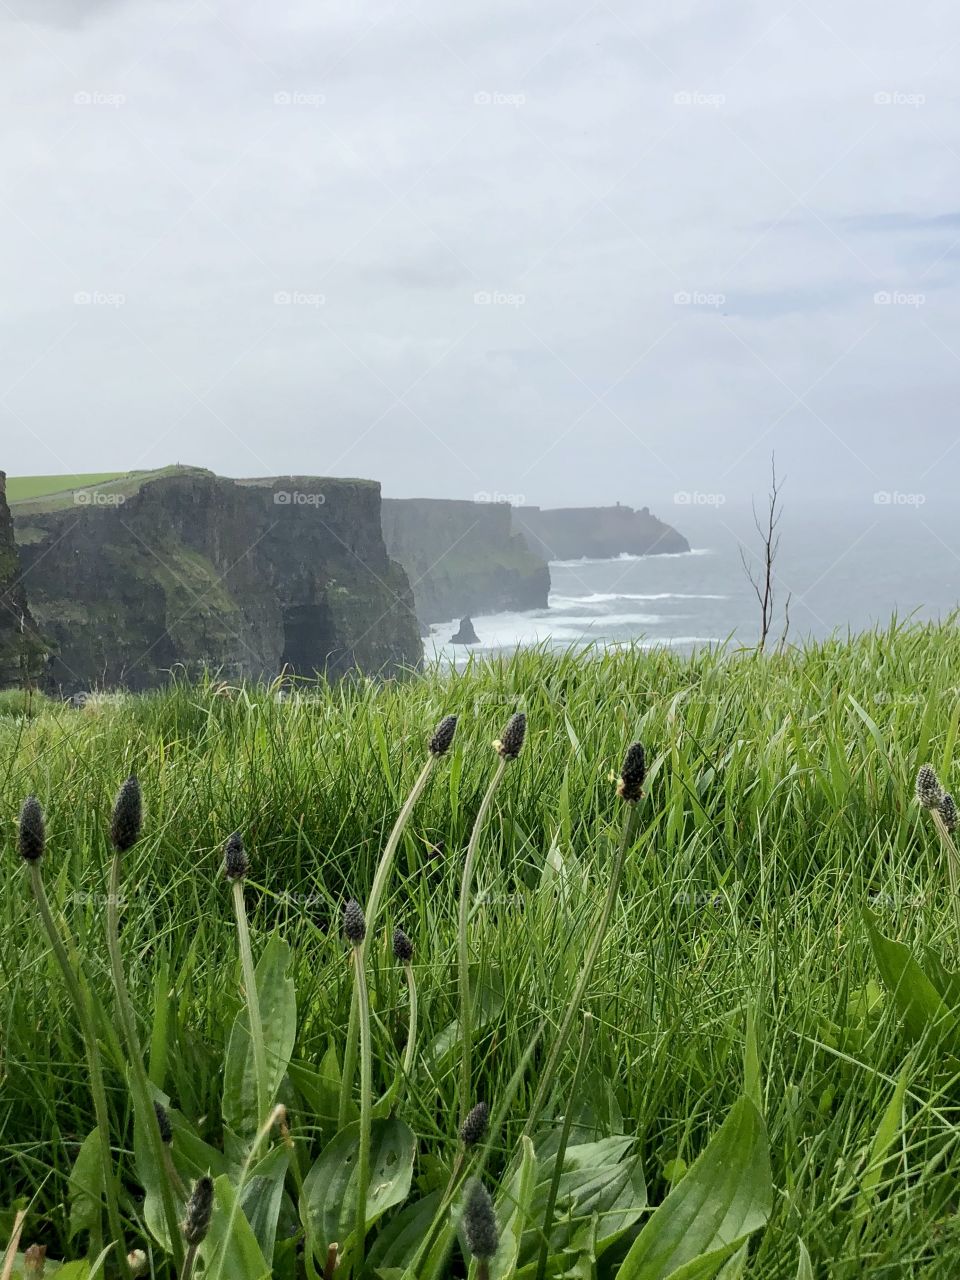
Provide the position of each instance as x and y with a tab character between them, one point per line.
779	804
25	488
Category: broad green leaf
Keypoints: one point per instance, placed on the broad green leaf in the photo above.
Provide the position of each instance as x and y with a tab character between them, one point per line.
86	1186
886	1136
397	1242
601	1181
237	1257
320	1090
804	1266
735	1267
151	1176
328	1203
725	1197
262	1196
278	1013
918	1002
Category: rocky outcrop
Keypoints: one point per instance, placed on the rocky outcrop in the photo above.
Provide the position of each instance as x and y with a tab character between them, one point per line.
466	633
597	533
187	570
20	646
463	557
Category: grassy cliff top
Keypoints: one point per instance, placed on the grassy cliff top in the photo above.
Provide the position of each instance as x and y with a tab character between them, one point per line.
51	493
37	494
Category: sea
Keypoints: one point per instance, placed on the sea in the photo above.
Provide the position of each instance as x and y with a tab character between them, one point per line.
838	570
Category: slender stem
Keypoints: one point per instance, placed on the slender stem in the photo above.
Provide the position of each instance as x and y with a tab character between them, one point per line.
188	1261
330	1265
380	879
138	1075
562	1149
411	1046
264	1093
81	1001
275	1115
463	943
449	1191
366	1105
631	821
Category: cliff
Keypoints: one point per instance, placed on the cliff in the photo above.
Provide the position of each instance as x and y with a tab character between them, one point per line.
597	533
463	557
183	568
21	649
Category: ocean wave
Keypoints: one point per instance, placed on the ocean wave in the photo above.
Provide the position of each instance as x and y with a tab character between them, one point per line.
609	597
627	555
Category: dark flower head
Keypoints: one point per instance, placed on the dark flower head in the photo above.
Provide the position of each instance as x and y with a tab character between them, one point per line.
633	772
402	946
163	1123
196	1224
480	1222
929	790
354	925
474	1128
511	740
236	864
32	836
127	816
439	744
949	815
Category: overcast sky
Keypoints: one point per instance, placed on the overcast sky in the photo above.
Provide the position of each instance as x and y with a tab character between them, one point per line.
573	252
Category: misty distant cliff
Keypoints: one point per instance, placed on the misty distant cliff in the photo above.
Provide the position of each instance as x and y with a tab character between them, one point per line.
20	648
186	569
463	557
572	533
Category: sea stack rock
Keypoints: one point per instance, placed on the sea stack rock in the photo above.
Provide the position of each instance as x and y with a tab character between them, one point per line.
466	634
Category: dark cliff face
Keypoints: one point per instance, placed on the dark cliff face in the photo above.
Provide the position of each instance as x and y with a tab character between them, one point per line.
571	533
193	570
463	557
20	646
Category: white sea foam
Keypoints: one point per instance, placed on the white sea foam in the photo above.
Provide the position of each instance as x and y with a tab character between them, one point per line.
609	597
627	555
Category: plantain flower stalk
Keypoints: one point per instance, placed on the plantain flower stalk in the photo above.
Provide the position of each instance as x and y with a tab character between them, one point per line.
507	747
438	746
31	842
355	930
943	810
480	1227
196	1224
125	827
630	790
403	954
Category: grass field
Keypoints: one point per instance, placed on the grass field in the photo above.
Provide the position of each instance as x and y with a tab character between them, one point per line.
779	805
26	488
